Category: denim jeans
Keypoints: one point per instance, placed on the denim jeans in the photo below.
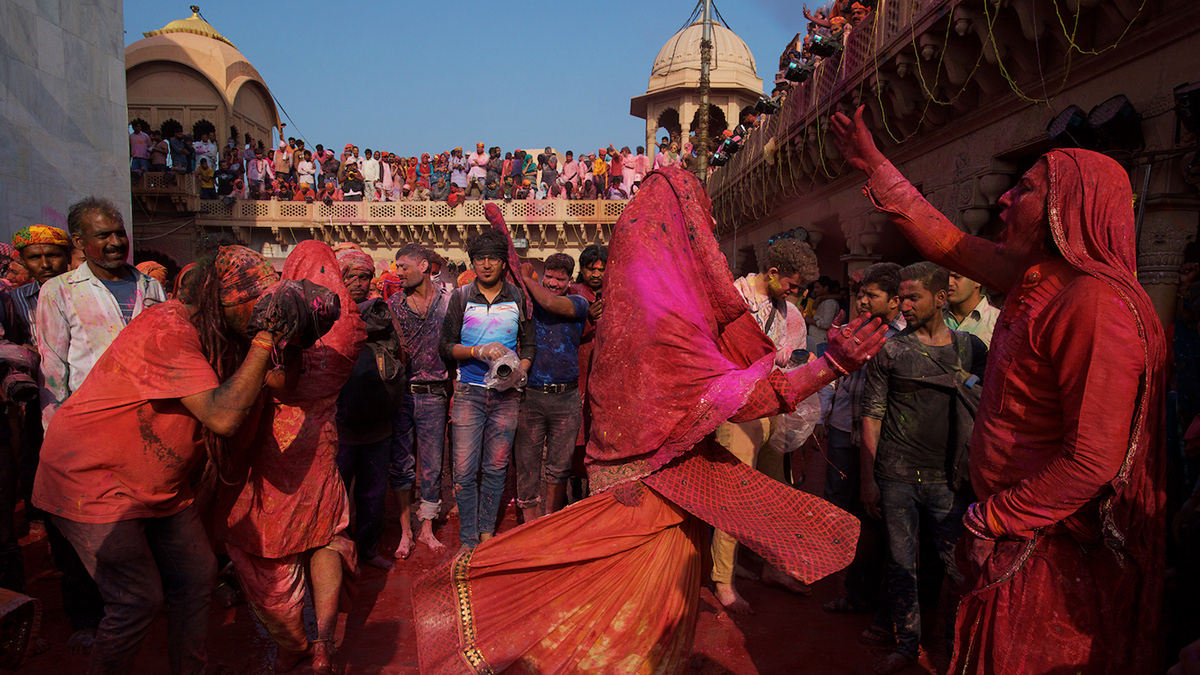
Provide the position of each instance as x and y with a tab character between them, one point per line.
137	564
366	466
903	505
484	423
549	425
841	473
419	440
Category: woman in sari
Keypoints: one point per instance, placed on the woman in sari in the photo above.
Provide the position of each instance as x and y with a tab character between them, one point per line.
283	522
612	583
441	168
425	169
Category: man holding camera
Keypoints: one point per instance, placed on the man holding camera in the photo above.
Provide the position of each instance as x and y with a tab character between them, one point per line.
486	321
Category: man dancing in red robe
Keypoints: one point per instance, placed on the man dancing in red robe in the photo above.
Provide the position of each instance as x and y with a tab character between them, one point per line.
1065	542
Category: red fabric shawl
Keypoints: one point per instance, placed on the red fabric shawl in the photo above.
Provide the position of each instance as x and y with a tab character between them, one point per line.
291	498
666	375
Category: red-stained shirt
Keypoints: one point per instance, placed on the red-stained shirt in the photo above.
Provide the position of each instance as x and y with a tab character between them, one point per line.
123	446
1062	380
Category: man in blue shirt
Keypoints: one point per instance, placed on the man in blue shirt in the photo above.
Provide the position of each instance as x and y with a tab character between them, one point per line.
551	412
485	321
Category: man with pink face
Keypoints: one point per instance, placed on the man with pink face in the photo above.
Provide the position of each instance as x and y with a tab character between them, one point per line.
551	413
1063	554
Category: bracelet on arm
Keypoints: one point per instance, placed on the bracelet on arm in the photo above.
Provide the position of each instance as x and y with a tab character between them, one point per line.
473	352
837	367
975	523
265	343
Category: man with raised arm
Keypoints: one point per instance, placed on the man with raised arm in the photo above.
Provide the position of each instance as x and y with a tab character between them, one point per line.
1064	548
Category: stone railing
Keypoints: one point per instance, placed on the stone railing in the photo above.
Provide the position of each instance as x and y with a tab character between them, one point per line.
542	223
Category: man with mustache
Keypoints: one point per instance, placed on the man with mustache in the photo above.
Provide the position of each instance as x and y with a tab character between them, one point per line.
81	312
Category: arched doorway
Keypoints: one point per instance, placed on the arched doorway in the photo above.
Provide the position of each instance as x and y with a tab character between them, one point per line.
669	125
716	124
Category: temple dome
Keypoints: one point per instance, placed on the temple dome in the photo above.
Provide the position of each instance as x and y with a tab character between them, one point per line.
194	25
678	61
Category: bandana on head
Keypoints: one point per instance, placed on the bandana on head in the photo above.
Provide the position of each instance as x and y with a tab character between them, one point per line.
355	260
245	275
40	234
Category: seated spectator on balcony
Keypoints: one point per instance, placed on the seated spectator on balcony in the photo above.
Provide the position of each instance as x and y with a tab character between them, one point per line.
493	190
421	192
458	168
557	192
441	191
353	187
306	171
139	149
304	193
615	191
456	196
329	193
589	190
522	191
286	189
208	186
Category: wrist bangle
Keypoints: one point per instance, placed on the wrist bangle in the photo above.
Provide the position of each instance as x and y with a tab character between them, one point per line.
473	355
837	367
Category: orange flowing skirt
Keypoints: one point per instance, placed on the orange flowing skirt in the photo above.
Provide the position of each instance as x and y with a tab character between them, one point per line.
600	586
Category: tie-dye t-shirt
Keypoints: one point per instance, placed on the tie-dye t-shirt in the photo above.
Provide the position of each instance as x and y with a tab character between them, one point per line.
471	320
558	338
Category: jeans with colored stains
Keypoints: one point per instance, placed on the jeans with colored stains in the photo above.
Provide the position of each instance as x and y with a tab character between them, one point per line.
484	422
419	441
366	465
904	506
137	564
549	424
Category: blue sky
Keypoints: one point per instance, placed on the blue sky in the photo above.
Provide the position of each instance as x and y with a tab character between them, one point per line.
413	77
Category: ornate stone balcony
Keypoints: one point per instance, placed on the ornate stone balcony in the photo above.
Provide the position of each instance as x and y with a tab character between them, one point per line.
935	71
544	225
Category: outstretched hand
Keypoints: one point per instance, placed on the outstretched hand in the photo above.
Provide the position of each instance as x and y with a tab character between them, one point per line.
850	346
855	142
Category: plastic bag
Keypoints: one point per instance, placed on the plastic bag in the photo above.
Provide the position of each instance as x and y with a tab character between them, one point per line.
793	429
505	373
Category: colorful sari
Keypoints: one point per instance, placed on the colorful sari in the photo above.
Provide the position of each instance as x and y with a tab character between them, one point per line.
288	498
611	584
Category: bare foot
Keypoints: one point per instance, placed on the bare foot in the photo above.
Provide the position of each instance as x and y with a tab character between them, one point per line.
728	596
81	641
286	659
893	663
322	663
484	536
382	562
405	547
773	577
428	538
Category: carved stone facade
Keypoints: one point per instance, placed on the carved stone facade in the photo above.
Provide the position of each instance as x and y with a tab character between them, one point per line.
956	94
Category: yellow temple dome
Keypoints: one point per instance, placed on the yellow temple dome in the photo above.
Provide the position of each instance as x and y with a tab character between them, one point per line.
194	25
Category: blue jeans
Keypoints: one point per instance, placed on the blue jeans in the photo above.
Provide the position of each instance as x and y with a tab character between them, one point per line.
419	439
366	466
903	505
137	564
484	423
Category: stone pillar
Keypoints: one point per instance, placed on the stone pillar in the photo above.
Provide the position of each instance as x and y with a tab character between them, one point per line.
687	110
1168	226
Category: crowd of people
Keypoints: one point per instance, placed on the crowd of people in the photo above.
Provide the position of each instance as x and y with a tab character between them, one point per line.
294	172
826	36
1007	454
